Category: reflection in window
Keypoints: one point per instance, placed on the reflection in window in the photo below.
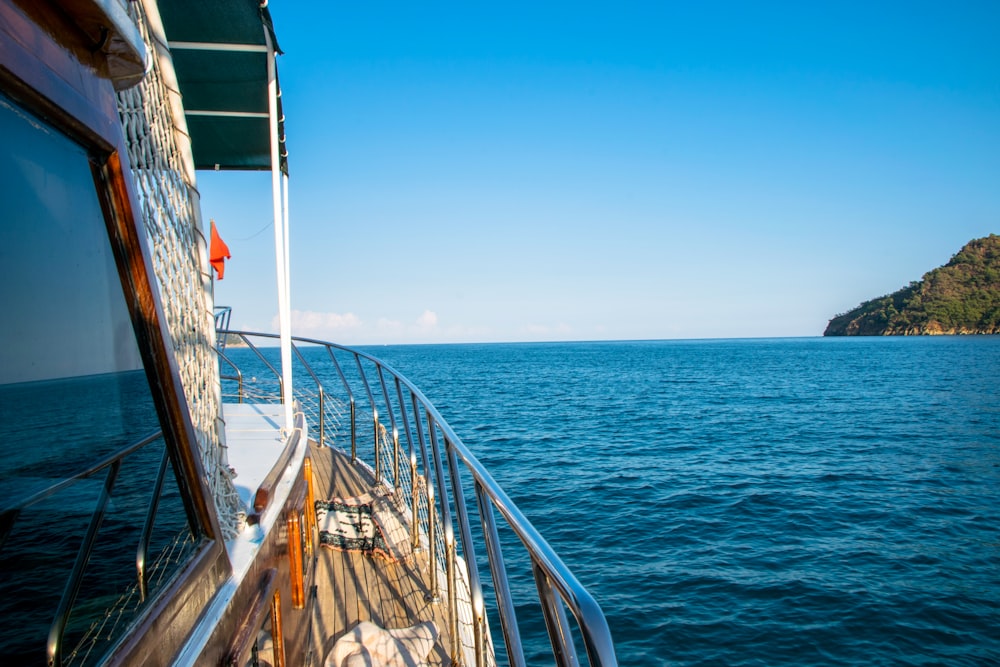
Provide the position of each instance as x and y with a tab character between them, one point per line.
72	393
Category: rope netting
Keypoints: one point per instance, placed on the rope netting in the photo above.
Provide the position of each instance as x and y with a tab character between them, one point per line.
164	179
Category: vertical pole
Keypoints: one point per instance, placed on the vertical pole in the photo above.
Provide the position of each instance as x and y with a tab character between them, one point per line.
555	619
414	504
280	235
288	293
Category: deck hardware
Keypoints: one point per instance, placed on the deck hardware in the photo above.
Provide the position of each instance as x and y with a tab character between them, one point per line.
307	472
239	374
294	526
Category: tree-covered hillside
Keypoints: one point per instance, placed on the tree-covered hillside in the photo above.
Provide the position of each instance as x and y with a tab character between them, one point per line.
961	297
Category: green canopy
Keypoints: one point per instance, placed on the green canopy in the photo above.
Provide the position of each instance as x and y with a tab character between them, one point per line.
219	50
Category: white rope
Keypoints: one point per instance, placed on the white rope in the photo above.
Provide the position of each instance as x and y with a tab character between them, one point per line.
168	201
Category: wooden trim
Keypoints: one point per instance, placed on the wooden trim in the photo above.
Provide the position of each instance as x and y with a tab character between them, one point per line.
277	632
58	80
295	574
265	492
310	509
132	257
257	609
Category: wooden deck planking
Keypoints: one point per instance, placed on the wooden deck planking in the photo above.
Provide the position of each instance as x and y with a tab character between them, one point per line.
353	587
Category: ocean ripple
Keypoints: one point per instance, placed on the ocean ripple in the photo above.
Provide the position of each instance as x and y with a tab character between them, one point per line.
754	502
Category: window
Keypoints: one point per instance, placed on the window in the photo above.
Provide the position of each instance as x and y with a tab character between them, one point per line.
72	394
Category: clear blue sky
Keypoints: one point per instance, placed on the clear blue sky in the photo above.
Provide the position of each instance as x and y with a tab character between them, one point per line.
574	171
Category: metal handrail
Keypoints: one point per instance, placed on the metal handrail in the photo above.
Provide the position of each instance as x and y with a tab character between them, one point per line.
222	316
113	463
239	374
558	589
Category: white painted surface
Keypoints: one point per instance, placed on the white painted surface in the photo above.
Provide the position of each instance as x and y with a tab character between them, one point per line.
255	436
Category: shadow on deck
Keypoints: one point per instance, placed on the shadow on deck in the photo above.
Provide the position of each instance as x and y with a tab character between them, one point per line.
352	587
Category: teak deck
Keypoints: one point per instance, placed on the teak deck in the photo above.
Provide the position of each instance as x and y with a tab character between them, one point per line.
353	587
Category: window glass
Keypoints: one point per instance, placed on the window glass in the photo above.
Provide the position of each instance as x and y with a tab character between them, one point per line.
72	394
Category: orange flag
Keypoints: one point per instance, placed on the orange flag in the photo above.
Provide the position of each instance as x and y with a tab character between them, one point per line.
218	252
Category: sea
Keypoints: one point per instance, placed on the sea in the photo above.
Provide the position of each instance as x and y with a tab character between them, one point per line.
758	502
804	501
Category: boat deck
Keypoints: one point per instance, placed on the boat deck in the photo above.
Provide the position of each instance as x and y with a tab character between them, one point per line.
354	587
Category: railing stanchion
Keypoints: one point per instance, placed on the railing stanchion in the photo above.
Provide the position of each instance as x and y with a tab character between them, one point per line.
392	424
395	458
451	568
435	594
429	490
555	620
350	396
449	526
354	433
414	504
498	569
371	402
468	546
319	388
322	416
378	458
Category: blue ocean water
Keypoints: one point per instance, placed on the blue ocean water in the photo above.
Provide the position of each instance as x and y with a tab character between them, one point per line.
751	502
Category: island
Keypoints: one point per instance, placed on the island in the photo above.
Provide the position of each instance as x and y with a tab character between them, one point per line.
961	297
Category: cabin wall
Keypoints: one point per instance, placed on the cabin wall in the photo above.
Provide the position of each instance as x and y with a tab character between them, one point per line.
55	66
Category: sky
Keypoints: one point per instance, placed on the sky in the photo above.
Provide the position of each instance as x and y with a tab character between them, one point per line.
542	171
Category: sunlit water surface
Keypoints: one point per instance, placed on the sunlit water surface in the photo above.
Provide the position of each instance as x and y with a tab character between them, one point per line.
751	502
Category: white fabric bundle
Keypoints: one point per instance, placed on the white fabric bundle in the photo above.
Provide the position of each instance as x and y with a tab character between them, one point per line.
368	645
